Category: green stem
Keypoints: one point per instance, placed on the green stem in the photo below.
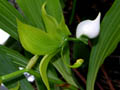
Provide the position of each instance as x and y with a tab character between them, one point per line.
72	39
32	62
84	40
18	73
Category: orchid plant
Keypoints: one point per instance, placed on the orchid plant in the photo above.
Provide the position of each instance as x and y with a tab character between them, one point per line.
39	26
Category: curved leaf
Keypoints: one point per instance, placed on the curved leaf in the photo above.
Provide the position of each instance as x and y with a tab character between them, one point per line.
63	69
63	27
16	56
8	15
35	40
32	11
6	67
54	9
107	42
16	87
50	24
43	68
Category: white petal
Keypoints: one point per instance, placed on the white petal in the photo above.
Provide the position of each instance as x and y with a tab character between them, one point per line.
3	36
89	28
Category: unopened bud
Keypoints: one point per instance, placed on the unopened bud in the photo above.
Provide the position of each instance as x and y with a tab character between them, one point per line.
89	28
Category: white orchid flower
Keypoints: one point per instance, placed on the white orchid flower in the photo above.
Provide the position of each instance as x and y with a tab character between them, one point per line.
89	28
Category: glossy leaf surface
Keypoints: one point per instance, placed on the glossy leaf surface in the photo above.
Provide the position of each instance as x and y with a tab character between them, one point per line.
107	42
35	40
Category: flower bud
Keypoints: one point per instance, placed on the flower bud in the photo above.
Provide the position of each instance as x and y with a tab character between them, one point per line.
89	28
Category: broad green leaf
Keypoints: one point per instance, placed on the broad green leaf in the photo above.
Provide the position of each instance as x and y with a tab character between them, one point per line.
50	23
25	85
6	67
21	61
52	78
107	42
8	15
35	40
53	75
16	87
63	27
16	56
63	69
40	85
54	9
43	68
32	11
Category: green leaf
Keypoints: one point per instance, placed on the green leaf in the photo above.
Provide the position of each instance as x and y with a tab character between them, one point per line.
63	69
17	87
52	74
107	42
32	11
21	61
50	24
40	85
16	56
8	15
6	67
35	40
43	68
63	27
54	9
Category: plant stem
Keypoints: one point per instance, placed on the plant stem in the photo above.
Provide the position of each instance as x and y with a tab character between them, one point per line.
18	73
72	39
32	62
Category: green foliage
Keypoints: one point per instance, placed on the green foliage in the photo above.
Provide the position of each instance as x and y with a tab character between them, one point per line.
17	87
32	12
77	64
35	40
41	29
52	26
54	9
43	68
17	58
62	67
7	67
20	60
8	15
107	42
